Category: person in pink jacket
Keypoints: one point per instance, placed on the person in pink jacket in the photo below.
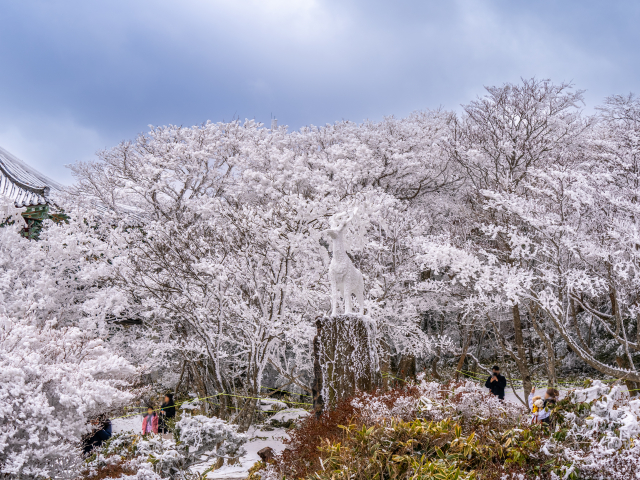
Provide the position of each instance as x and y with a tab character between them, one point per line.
150	422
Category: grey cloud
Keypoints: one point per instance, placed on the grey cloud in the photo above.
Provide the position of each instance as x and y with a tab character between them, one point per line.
103	71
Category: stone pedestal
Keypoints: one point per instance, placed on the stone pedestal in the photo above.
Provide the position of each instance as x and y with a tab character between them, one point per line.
345	358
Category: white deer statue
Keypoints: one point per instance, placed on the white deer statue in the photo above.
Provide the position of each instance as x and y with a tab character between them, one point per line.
345	278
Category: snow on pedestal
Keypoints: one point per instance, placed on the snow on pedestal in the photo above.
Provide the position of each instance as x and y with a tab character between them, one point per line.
345	358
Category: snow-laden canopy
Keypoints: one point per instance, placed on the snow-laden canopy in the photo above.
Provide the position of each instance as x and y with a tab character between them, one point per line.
22	183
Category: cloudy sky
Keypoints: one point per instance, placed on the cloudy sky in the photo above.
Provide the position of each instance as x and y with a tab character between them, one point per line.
80	76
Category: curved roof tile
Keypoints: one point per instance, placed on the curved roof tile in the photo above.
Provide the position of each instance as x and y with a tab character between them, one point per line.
23	184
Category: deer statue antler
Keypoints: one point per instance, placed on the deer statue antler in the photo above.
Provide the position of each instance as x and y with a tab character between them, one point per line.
353	214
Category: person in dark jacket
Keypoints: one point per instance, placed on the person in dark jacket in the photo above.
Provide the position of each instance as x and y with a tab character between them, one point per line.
496	383
167	412
101	432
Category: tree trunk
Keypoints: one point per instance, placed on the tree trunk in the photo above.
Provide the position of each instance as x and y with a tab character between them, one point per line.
385	363
434	367
580	352
481	340
614	309
203	372
464	352
407	367
631	385
224	409
316	389
198	379
245	416
179	384
521	362
551	354
574	320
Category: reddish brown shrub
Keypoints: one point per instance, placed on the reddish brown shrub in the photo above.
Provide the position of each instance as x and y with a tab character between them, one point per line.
301	457
108	471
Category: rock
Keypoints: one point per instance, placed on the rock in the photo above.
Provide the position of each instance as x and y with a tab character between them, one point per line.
266	454
271	404
290	414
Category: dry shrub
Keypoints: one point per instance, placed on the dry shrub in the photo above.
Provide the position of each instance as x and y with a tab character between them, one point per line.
301	457
112	470
457	431
461	403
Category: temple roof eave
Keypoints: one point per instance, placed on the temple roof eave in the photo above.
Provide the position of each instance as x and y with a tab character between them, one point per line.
23	184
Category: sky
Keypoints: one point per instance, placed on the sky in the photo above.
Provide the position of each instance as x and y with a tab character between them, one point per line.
77	77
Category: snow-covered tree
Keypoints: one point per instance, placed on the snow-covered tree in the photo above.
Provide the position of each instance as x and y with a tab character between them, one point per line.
57	370
563	243
498	140
53	378
220	233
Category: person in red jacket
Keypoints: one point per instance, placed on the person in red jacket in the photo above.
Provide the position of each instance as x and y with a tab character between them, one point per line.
150	422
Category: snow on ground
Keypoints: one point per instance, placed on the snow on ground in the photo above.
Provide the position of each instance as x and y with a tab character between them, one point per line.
510	396
128	424
258	439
